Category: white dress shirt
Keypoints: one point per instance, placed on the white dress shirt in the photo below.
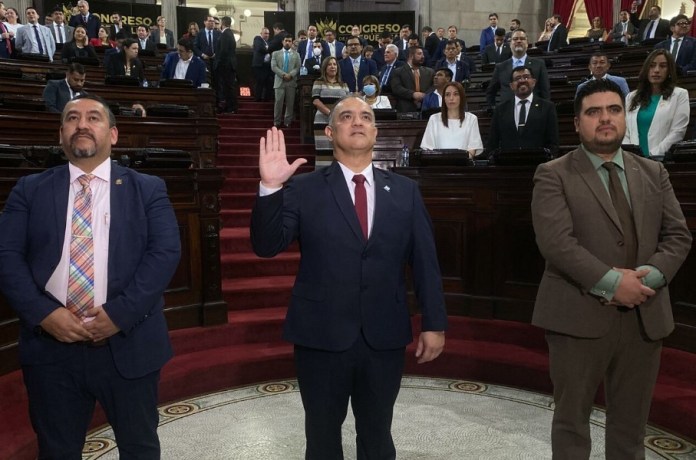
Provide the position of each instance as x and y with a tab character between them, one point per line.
518	107
57	284
181	68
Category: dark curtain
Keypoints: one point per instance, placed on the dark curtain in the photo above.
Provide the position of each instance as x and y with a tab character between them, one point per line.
565	9
601	8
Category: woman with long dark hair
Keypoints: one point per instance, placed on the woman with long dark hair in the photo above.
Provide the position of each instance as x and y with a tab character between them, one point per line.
453	127
126	62
657	112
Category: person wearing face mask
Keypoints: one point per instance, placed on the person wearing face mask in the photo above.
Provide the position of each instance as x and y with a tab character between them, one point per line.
312	63
371	94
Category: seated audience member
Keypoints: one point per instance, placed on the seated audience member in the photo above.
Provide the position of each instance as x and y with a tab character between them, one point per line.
391	63
162	35
57	93
651	27
546	33
411	82
103	40
514	25
144	41
79	47
525	122
26	37
313	63
126	62
433	100
453	127
597	33
368	52
657	112
599	66
120	37
371	93
500	81
680	45
192	32
498	51
624	30
117	25
462	56
183	65
459	68
327	90
354	61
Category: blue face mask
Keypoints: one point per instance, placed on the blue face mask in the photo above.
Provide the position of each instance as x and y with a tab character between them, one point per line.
369	90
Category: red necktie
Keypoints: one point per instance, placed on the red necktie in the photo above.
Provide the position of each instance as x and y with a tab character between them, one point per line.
8	42
361	202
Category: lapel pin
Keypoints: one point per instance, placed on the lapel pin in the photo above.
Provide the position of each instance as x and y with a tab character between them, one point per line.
119	182
386	187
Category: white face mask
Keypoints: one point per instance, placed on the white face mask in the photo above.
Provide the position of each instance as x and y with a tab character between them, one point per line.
317	52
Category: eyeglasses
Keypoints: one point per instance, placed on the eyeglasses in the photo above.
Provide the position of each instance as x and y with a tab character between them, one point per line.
353	44
683	23
520	78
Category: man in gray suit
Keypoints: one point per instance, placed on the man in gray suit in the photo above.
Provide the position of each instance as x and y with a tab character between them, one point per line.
35	38
285	64
62	33
623	31
613	236
58	93
503	72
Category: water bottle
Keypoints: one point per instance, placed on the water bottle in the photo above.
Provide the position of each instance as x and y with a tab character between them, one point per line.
403	158
145	84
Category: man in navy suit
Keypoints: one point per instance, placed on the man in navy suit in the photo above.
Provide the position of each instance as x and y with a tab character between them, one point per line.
145	42
391	63
332	47
682	47
261	67
58	93
459	68
488	34
206	41
356	60
182	64
498	51
651	27
109	343
358	227
559	36
305	47
378	56
89	21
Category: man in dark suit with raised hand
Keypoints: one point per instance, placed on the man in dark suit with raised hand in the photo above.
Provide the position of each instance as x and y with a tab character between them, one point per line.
58	93
86	252
534	127
651	27
680	45
613	236
503	72
358	227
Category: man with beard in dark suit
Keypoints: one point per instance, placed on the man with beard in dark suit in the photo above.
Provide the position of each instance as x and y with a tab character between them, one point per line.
225	68
261	67
533	127
57	93
502	74
411	82
651	27
559	36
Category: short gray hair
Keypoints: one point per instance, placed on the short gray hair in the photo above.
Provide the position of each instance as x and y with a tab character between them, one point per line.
393	47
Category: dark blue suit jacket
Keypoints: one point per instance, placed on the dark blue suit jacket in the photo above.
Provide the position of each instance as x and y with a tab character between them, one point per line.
201	45
195	73
367	67
346	284
144	250
463	71
339	49
686	59
92	26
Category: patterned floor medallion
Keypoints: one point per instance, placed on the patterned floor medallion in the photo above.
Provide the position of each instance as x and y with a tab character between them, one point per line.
439	419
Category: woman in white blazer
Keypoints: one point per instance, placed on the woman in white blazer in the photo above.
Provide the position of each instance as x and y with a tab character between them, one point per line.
657	113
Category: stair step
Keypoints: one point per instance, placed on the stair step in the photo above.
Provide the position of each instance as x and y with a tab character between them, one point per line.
235	217
258	292
241	184
237	200
236	240
248	264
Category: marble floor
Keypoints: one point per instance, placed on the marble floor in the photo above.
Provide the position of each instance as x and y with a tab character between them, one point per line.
434	419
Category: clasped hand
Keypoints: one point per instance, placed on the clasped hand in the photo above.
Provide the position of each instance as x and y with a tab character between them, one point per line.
631	291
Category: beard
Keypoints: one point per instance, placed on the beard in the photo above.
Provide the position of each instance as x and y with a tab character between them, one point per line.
82	152
604	145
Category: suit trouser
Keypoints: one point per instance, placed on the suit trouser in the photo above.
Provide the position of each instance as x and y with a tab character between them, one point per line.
369	378
287	95
628	362
263	83
62	398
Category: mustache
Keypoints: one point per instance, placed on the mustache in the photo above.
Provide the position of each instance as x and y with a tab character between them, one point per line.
74	137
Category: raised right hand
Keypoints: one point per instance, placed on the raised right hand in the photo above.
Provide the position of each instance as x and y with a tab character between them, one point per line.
273	162
631	291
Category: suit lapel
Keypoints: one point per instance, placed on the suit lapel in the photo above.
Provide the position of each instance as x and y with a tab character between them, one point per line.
61	188
119	200
339	189
584	166
635	189
384	201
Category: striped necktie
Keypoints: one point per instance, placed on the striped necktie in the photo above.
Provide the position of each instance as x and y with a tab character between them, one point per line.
81	273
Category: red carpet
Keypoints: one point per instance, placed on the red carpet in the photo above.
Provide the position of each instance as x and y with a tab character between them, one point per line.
249	348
